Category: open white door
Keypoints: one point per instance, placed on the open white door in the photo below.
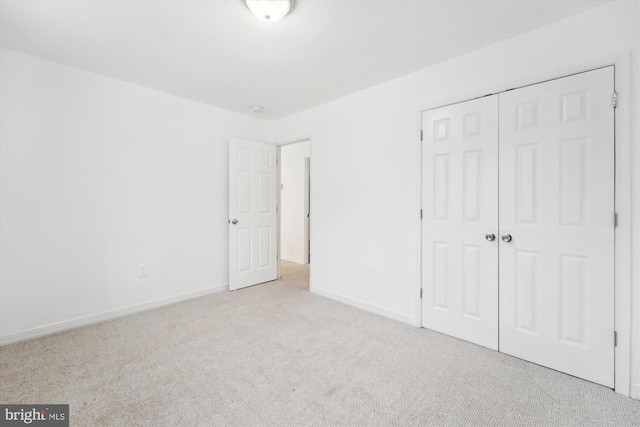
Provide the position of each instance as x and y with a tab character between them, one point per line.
253	217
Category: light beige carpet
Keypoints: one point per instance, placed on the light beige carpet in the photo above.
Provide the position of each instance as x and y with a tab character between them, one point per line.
277	355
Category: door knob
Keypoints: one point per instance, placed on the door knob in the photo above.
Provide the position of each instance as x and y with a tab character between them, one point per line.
506	238
490	237
234	221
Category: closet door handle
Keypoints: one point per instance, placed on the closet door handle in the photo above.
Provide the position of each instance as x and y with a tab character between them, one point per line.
490	237
506	238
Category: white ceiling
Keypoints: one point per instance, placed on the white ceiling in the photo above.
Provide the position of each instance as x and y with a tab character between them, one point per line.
218	53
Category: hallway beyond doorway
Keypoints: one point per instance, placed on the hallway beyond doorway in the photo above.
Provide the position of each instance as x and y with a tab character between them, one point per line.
288	267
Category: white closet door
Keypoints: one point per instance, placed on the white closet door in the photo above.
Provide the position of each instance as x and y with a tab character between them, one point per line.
460	207
253	220
557	204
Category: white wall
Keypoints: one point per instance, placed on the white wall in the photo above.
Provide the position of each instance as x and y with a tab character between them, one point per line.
366	174
97	177
292	201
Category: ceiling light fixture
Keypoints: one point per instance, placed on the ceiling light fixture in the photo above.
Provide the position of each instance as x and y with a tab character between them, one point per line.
269	10
256	109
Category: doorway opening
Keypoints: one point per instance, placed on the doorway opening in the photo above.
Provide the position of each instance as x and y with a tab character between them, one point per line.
295	210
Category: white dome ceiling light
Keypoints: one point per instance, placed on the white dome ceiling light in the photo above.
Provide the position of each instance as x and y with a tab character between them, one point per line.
269	10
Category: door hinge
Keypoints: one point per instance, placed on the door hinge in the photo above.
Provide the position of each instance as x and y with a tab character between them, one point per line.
420	293
421	135
615	99
420	213
615	338
615	220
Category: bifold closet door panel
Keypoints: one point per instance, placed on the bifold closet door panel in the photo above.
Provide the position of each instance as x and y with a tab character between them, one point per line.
557	210
460	208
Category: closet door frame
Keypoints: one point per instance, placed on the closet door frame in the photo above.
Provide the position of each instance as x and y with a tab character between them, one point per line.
623	195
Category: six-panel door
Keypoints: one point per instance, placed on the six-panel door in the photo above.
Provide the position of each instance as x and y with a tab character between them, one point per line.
557	203
460	208
253	220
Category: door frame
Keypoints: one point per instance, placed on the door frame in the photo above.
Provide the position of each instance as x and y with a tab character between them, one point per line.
307	201
623	196
307	209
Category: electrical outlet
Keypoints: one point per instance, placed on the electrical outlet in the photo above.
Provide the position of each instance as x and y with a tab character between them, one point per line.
370	272
143	270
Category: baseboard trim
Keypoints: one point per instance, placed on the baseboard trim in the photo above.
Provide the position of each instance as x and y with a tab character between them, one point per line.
635	391
364	305
107	315
292	259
